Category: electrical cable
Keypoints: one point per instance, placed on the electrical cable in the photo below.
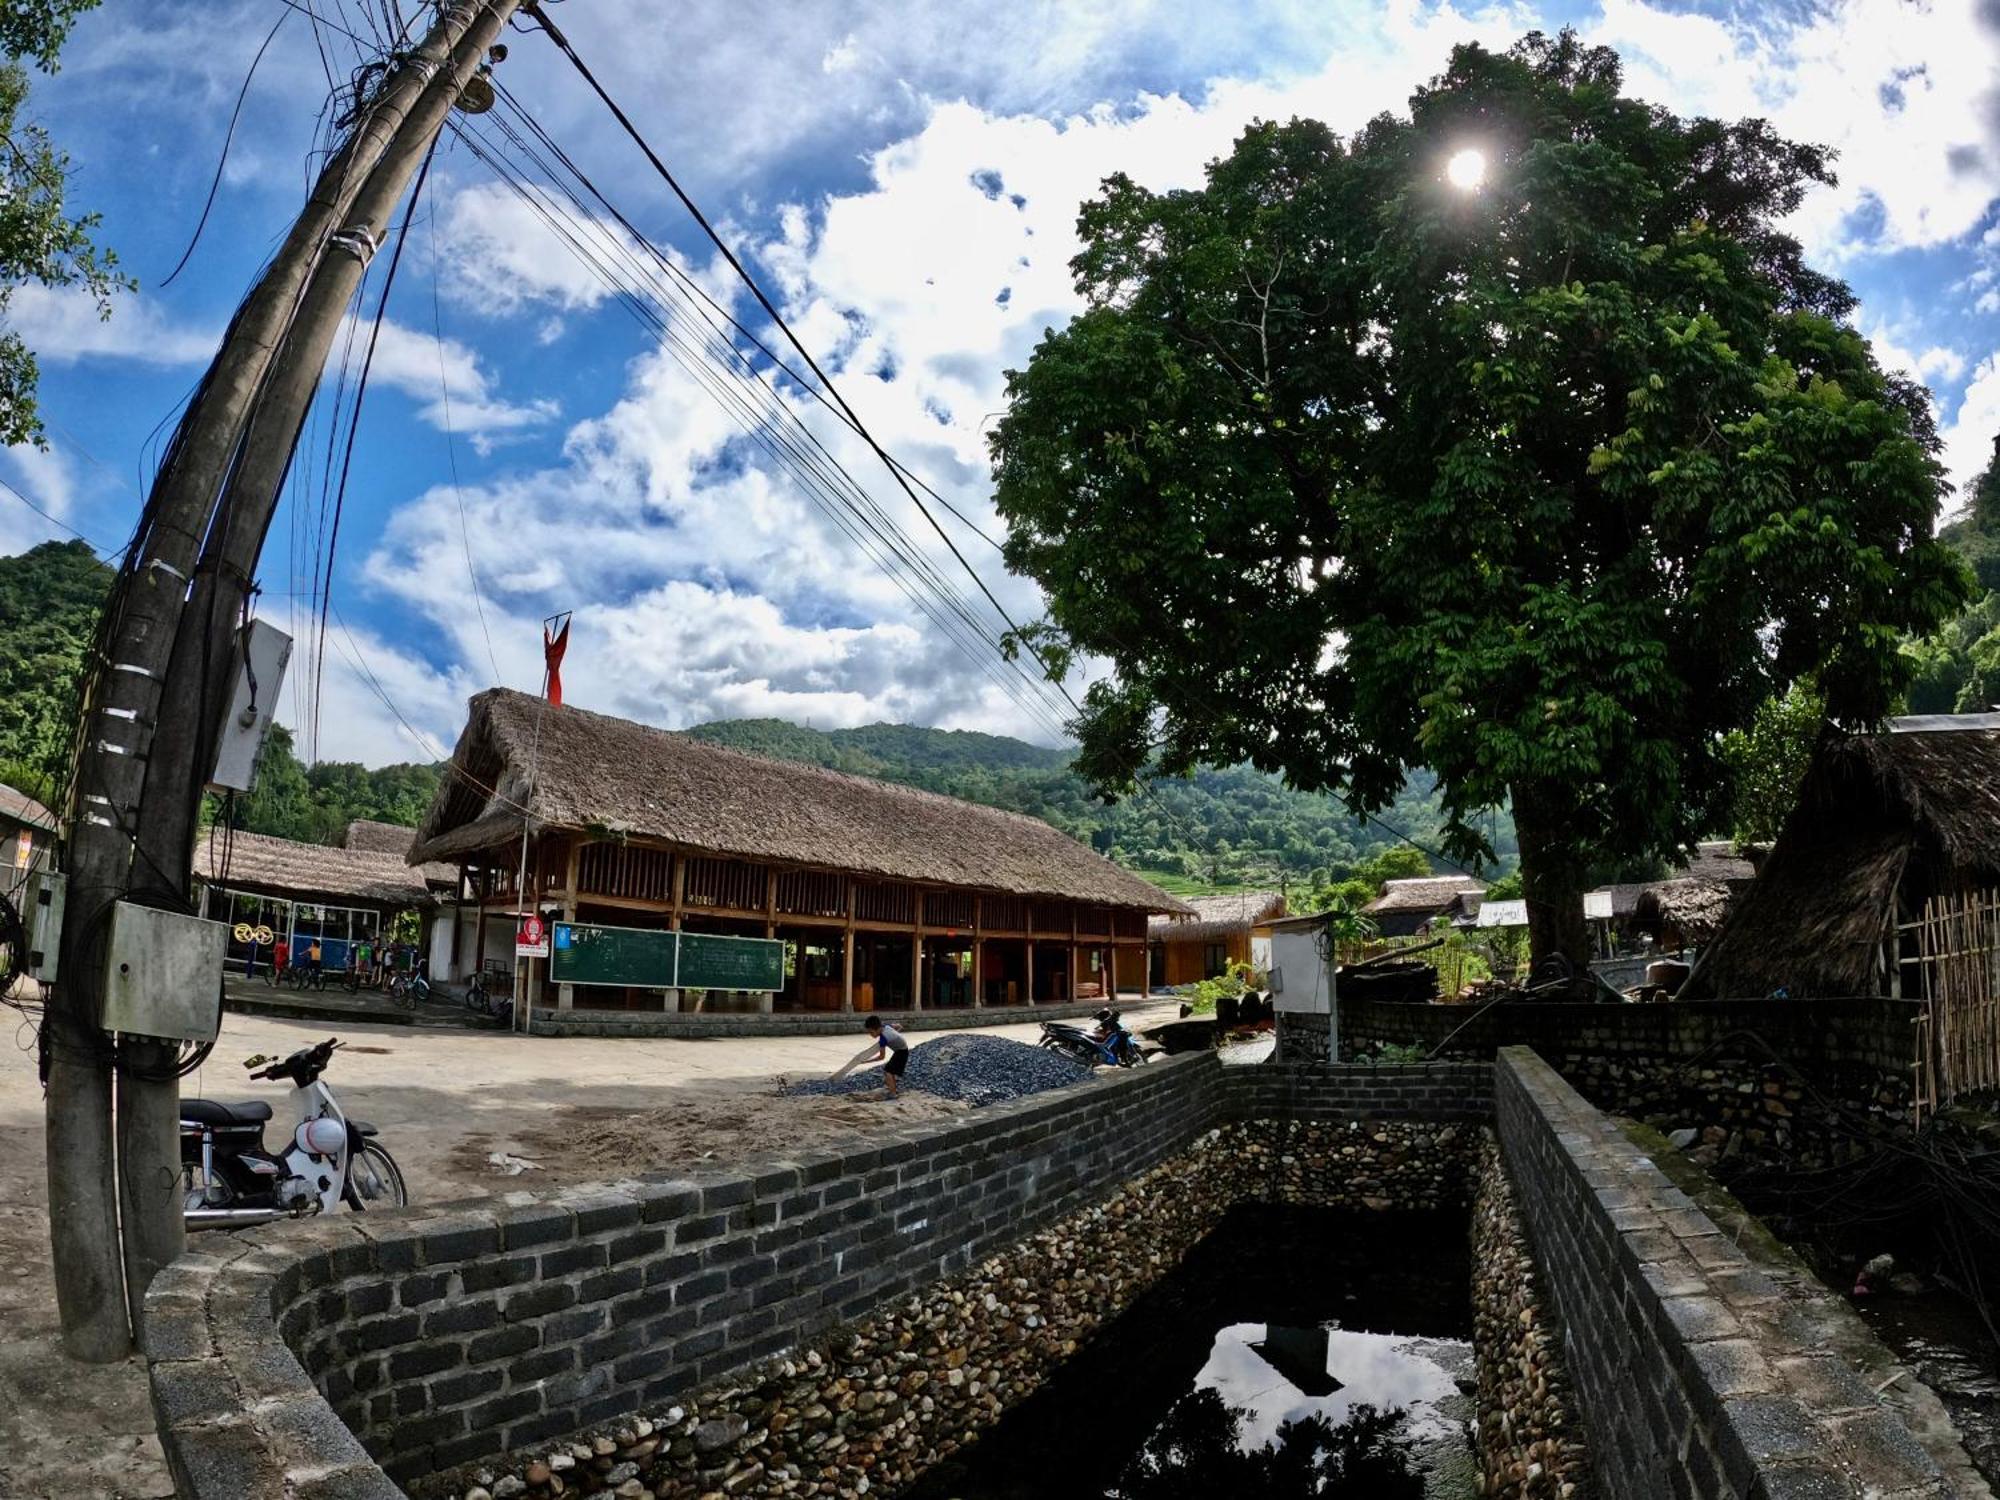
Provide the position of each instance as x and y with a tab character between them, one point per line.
228	137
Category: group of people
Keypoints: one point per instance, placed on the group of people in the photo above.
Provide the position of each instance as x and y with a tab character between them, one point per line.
369	964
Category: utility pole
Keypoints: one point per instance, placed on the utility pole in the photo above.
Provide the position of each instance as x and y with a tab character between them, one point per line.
147	719
1332	992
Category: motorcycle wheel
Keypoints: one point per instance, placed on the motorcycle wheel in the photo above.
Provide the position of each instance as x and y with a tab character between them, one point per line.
392	1191
1084	1053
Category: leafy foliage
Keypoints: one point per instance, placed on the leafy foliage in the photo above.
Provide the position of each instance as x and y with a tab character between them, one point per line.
1198	1453
314	804
1770	760
1545	486
1957	670
40	241
50	598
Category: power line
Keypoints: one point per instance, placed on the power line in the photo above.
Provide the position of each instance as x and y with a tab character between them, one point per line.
228	137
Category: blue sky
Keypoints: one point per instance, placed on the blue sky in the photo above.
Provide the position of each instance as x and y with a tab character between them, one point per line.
905	179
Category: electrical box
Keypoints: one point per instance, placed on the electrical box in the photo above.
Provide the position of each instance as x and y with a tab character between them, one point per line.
43	896
163	974
262	653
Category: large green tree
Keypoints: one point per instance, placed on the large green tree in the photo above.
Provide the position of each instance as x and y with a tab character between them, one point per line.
40	240
1544	483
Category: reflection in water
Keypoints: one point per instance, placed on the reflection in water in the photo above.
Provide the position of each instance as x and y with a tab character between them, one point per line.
1294	1353
1199	1453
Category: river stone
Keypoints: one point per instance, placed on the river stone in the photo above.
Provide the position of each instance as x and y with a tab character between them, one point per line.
720	1432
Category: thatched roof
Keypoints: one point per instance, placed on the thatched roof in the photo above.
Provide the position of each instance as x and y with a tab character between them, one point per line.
1685	911
596	774
1425	893
1714	861
1883	820
1218	916
307	872
394	838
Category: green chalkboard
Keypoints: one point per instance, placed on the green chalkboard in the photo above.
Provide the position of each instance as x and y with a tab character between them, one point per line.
731	963
583	954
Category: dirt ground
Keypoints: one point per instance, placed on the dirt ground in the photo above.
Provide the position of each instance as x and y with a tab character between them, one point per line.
447	1102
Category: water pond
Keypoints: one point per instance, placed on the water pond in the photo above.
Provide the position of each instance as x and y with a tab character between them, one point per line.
1295	1352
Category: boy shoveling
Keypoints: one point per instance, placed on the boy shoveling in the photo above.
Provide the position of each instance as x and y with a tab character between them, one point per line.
889	1044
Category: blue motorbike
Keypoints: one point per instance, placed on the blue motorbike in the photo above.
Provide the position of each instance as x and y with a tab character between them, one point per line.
1117	1048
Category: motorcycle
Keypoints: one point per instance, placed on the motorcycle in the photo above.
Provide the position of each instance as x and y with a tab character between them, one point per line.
230	1180
1120	1049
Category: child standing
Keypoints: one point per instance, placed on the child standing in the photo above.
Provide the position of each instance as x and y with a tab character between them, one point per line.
889	1043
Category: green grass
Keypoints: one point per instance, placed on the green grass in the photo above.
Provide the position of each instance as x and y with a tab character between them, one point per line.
1194	885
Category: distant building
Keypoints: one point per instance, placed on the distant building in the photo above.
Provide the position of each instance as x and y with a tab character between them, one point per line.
887	897
279	891
27	836
1406	907
1884	822
1234	928
1688	914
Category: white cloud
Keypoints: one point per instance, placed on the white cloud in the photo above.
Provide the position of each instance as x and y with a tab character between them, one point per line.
447	378
1970	435
46	477
505	252
62	325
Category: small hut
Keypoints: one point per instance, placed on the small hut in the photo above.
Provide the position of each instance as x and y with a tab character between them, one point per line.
1406	907
1884	822
272	890
1234	928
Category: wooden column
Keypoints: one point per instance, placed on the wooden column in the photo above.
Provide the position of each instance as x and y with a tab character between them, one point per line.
566	993
673	998
847	956
1072	971
917	967
978	954
1031	961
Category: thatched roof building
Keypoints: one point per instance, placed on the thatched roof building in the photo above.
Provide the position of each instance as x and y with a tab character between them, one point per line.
372	837
570	769
317	873
1683	913
1405	906
1883	822
1217	917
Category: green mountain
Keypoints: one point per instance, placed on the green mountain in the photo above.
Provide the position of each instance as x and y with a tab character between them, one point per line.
1958	669
1233	826
50	598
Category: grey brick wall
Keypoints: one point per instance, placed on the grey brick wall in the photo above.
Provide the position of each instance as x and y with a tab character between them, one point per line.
296	1359
1810	1034
548	1021
1698	1378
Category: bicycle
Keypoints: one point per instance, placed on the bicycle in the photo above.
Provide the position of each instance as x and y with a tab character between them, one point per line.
476	999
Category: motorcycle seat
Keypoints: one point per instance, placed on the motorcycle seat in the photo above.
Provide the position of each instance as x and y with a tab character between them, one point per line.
214	1112
363	1127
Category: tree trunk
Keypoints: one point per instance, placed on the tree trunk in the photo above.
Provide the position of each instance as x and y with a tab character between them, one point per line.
1551	874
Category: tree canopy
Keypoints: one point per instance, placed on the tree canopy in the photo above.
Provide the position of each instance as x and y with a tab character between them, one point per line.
1544	484
40	241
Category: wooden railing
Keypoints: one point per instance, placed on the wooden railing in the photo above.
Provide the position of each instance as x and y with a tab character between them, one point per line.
620	870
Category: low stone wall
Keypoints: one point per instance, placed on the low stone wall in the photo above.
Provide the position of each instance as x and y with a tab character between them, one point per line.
1696	1375
874	1405
1803	1082
1531	1444
438	1337
690	1025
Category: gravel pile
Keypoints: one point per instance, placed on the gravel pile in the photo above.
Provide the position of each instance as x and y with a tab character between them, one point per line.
974	1069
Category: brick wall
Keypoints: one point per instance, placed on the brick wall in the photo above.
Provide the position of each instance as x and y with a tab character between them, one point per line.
1876	1034
1697	1376
294	1360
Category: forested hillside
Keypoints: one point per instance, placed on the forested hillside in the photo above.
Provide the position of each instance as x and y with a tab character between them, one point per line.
50	597
1231	826
1958	669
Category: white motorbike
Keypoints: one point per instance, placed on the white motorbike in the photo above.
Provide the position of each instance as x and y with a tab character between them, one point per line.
231	1180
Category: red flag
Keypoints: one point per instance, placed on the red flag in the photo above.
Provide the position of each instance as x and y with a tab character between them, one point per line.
555	641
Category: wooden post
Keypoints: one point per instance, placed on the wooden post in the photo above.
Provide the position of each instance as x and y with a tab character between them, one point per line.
917	968
672	999
1031	959
847	956
978	954
566	993
1072	971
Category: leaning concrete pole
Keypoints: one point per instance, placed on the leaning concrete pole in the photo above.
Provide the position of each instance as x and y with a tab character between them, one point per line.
202	670
121	702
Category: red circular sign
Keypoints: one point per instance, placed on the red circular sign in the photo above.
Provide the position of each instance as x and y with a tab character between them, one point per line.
531	931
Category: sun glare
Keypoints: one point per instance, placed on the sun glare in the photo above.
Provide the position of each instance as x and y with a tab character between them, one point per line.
1466	170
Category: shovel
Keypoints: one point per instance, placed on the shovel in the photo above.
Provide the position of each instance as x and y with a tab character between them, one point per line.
866	1054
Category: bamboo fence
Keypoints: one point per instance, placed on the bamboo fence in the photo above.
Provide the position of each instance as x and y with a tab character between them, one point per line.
1958	981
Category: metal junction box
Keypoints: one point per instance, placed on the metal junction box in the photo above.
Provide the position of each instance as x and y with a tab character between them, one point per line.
262	653
163	974
43	897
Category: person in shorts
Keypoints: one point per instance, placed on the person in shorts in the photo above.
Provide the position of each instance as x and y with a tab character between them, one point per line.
889	1043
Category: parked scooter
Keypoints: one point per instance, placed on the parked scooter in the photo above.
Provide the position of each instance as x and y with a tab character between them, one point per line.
1118	1048
231	1180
